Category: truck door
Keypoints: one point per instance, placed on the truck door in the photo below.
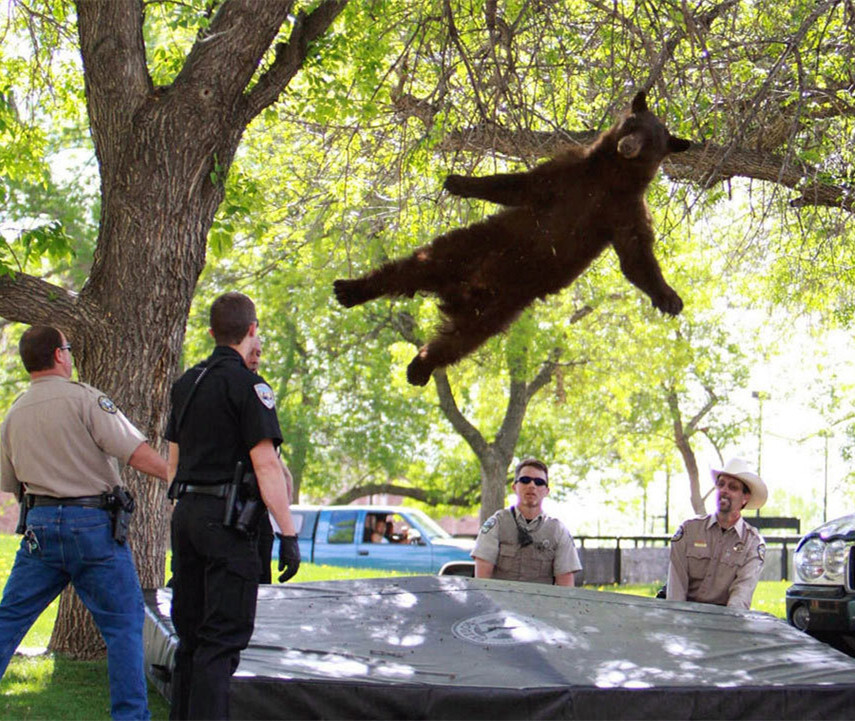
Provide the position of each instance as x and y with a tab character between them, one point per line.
335	542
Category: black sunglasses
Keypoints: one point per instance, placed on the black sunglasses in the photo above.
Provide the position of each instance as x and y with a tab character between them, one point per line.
67	346
525	480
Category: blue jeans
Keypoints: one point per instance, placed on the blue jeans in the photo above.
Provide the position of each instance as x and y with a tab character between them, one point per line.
74	544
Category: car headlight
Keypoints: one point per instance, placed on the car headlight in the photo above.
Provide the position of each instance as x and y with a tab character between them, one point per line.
834	560
809	560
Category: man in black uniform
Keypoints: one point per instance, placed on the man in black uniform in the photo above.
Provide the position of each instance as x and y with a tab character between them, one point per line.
222	414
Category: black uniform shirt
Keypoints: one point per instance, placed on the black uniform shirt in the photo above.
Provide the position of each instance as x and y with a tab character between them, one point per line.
231	411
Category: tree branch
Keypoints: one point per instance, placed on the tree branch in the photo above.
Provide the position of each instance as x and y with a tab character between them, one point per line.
26	299
419	494
704	164
509	432
115	72
703	21
228	43
544	375
449	409
708	406
290	56
709	164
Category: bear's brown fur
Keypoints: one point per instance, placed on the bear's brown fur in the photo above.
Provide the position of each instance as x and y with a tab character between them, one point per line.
561	216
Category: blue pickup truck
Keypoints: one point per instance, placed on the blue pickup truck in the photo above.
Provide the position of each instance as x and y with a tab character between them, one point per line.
385	537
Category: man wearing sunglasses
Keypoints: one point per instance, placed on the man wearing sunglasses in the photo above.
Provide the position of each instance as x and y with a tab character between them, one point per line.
522	543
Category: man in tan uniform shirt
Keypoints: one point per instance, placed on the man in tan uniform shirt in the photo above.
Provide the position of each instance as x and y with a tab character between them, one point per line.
523	543
62	442
718	558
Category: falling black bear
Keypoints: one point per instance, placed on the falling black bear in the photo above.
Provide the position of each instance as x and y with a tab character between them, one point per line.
562	215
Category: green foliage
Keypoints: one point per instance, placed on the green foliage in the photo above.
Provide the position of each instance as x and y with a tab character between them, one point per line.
769	596
346	171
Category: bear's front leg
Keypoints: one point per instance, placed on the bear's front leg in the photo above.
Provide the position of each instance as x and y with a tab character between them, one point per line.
511	189
639	265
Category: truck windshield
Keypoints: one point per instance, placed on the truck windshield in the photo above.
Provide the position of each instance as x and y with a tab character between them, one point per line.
431	527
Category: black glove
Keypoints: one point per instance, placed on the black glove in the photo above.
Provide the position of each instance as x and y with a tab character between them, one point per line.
289	557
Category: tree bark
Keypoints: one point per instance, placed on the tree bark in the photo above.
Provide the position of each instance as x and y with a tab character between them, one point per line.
163	155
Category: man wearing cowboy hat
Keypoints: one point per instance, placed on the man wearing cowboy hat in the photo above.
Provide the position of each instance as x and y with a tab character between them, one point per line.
718	558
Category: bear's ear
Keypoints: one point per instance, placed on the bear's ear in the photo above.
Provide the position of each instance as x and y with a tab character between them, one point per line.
678	145
639	102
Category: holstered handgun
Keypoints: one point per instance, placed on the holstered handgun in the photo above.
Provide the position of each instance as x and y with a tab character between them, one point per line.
172	491
22	511
247	519
231	510
243	502
122	505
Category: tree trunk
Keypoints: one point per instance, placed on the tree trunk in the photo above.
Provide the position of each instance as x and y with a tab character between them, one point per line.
681	440
494	458
494	483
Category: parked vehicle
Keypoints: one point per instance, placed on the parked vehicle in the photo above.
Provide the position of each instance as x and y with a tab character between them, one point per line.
822	601
351	536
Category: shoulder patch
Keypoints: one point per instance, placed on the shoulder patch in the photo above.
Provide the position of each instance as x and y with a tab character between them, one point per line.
265	395
107	405
488	524
678	534
761	551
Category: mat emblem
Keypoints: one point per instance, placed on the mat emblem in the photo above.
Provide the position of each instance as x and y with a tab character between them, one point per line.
506	629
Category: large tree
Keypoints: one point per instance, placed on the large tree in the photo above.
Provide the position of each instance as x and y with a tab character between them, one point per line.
164	152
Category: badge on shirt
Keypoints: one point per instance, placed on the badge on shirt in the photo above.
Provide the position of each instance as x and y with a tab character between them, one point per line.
488	524
678	534
265	395
107	405
761	551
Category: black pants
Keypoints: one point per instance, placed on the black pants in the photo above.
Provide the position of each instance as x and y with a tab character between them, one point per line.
214	590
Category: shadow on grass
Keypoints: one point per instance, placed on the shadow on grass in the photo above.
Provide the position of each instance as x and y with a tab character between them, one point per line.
52	687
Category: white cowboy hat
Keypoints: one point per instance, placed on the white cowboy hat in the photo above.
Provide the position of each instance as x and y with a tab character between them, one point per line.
738	468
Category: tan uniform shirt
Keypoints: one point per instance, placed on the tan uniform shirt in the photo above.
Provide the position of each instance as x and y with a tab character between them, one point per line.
713	565
61	438
551	554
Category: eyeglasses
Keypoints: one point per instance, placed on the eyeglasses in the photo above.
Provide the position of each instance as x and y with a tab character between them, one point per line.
525	480
67	347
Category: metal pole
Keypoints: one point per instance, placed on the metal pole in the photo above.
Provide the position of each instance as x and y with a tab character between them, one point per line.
667	497
760	396
825	482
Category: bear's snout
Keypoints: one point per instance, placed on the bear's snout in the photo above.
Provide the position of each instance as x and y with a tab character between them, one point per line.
629	146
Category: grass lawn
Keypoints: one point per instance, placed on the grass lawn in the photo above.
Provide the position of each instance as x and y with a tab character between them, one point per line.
768	596
43	686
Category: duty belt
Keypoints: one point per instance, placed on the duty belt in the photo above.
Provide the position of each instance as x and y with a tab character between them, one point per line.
220	490
88	501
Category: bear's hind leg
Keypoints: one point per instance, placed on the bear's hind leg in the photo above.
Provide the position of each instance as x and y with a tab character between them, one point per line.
353	292
419	271
460	335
